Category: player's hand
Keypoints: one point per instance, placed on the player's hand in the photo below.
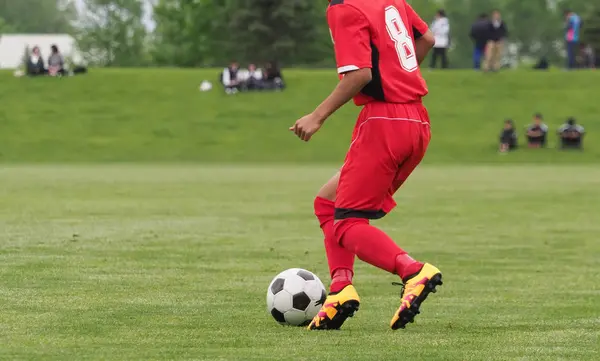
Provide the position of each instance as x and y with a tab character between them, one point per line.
307	126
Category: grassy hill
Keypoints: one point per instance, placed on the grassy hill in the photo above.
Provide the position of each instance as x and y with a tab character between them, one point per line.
151	115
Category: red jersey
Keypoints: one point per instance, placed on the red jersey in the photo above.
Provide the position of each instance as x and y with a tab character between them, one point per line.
379	34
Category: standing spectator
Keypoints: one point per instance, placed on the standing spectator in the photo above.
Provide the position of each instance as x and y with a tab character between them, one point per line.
56	62
572	30
230	78
35	63
571	135
508	137
537	132
480	35
441	31
495	45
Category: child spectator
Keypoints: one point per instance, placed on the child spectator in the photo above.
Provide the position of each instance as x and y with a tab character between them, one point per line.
571	135
508	137
537	132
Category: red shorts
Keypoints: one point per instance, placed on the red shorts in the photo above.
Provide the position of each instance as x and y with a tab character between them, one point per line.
388	143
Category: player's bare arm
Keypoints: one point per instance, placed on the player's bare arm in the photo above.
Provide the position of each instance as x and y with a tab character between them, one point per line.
423	45
350	85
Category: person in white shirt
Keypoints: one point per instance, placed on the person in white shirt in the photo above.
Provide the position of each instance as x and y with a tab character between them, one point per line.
35	63
441	31
230	79
255	78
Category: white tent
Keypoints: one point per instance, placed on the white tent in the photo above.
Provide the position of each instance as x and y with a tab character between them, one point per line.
12	47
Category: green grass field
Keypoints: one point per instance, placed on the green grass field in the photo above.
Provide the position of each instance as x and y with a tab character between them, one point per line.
150	115
143	220
172	262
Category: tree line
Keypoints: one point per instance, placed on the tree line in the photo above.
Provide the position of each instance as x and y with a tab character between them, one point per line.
193	33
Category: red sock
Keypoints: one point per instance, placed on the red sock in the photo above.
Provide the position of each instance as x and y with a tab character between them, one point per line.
373	246
340	260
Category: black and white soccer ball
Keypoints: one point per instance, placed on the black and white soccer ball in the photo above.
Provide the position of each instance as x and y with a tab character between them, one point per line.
295	296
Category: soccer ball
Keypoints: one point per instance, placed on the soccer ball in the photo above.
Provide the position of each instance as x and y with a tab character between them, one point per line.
294	297
205	86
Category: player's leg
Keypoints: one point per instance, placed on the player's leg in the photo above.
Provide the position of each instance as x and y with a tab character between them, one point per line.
343	300
340	260
417	286
366	178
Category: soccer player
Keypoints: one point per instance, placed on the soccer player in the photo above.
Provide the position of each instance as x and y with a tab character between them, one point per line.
379	45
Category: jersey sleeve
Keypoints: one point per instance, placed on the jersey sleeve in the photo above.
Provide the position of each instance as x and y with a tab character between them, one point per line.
419	26
351	38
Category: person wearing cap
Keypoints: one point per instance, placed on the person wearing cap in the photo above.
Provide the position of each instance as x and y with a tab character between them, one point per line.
571	135
537	132
508	137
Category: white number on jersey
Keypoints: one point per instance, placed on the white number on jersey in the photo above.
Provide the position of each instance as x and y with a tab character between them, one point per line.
404	44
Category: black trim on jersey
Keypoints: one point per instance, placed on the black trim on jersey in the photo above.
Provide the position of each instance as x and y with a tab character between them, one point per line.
336	2
375	88
416	33
343	213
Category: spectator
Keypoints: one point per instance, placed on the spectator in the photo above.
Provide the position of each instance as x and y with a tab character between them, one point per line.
255	78
35	63
497	35
587	56
571	135
508	137
480	35
572	29
230	79
537	132
441	31
56	62
273	77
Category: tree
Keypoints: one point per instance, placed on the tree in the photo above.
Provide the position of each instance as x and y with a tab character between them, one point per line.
5	27
273	29
205	32
37	16
591	28
111	32
188	33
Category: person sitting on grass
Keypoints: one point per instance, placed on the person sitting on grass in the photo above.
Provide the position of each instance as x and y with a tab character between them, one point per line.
571	135
230	79
273	77
56	62
537	132
508	137
35	63
255	78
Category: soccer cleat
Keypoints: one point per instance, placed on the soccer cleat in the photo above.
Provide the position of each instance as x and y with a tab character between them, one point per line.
336	309
415	290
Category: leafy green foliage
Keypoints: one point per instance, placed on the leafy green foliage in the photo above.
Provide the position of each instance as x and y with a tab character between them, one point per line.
36	16
591	29
111	32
